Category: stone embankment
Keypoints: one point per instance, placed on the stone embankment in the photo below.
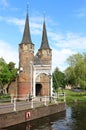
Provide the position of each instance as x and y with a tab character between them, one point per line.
16	117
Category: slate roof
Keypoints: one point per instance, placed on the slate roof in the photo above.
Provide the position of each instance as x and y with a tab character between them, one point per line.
26	35
44	42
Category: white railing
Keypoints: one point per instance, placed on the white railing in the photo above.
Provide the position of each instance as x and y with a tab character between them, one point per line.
61	96
17	104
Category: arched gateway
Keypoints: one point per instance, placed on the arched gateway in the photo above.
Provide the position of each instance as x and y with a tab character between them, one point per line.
34	70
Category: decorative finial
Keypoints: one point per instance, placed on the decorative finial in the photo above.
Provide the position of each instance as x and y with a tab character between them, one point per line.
27	6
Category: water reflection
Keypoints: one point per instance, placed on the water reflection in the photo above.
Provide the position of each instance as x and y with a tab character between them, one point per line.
73	119
28	126
66	123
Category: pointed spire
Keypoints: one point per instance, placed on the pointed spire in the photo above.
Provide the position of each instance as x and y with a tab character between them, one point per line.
26	35
44	43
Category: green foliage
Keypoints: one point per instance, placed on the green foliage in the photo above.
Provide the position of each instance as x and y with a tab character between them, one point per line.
4	72
8	72
13	70
58	79
72	96
5	98
75	73
70	76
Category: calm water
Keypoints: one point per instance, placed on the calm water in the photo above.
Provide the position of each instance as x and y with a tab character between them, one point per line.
73	119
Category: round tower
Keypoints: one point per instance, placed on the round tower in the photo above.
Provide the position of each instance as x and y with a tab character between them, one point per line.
26	58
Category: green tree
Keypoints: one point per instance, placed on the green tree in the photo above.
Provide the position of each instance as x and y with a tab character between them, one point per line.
8	72
13	70
4	73
58	79
75	73
70	76
74	59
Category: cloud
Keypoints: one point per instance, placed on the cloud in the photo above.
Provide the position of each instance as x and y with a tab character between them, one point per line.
64	45
35	25
59	58
13	20
80	13
4	3
8	53
69	40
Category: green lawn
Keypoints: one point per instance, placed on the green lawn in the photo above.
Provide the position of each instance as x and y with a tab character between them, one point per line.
72	96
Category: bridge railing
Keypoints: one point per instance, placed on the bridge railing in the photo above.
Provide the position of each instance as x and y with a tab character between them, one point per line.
17	104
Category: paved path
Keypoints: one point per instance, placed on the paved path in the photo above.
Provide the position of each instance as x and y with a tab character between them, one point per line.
21	105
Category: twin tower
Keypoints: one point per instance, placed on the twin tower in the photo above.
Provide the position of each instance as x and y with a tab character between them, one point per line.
34	70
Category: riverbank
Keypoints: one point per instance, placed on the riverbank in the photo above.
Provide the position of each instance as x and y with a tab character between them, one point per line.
74	96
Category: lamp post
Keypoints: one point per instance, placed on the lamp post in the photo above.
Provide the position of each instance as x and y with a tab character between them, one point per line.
50	88
31	77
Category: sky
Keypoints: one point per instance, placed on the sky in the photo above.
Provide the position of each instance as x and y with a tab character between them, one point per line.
65	24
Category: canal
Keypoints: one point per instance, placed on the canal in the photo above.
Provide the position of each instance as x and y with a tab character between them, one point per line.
74	118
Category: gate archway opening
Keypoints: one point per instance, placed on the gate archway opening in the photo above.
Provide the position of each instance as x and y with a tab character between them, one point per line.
38	89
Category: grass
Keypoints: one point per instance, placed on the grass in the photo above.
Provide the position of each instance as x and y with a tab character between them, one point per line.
72	96
4	98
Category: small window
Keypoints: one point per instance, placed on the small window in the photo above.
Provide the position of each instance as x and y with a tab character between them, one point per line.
31	46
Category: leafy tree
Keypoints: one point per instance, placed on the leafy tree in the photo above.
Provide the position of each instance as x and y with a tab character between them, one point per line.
8	72
75	73
70	76
4	72
13	70
74	59
58	79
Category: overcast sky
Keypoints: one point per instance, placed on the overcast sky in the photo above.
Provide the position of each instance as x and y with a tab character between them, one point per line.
65	23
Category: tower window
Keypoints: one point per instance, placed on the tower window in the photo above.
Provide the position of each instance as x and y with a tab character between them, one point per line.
31	46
